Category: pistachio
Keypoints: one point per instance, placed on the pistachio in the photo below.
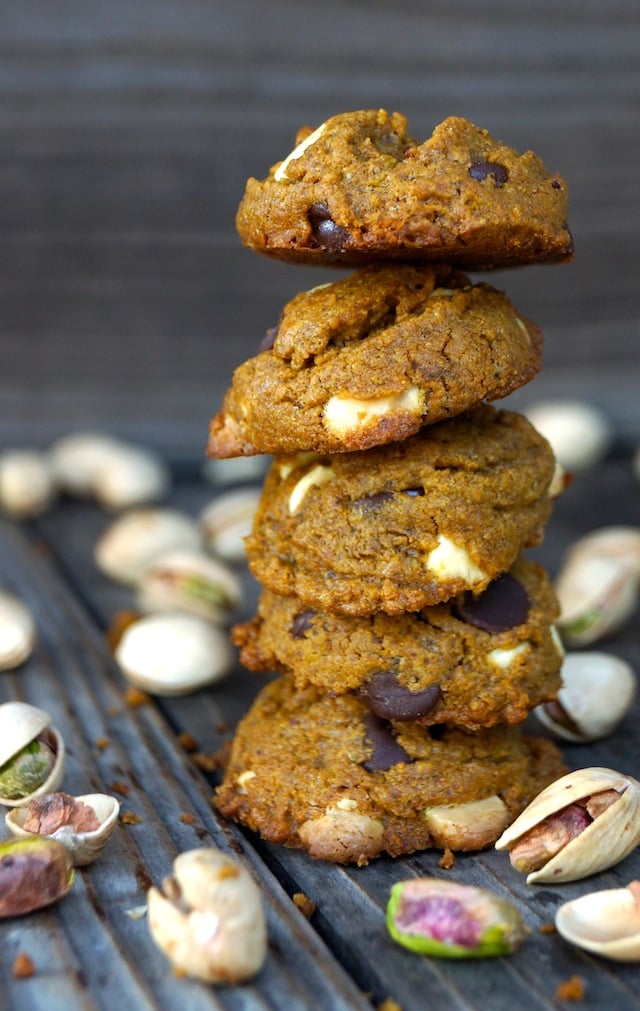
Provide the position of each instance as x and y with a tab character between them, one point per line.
208	918
469	825
82	824
597	691
582	823
606	922
343	836
173	653
579	433
33	873
32	754
131	542
227	520
77	458
450	920
189	581
236	470
26	770
17	632
133	476
26	483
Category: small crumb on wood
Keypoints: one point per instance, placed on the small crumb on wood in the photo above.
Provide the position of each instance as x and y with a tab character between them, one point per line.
186	818
119	786
130	818
389	1005
102	743
571	989
211	761
134	698
187	741
23	966
306	905
447	860
547	928
120	622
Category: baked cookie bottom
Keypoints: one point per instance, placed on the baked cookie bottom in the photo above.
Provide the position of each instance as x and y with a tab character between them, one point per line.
327	776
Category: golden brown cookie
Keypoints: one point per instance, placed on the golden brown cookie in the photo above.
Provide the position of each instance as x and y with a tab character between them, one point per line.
474	661
359	188
407	525
326	775
373	357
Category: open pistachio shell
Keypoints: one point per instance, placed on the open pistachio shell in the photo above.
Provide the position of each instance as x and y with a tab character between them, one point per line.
597	692
20	725
84	847
610	837
606	922
17	632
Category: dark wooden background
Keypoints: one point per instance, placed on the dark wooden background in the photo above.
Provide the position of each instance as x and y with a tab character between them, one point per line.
127	130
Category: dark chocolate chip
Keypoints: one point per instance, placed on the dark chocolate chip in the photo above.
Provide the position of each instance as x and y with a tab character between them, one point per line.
327	234
555	184
413	492
481	169
268	340
387	698
373	501
386	750
504	604
302	623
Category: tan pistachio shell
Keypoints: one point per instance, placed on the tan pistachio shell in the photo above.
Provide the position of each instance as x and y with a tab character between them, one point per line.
606	841
17	632
606	923
21	723
84	847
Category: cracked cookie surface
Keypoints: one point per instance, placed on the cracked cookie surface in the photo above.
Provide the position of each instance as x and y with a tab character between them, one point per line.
372	358
325	775
359	187
403	526
473	662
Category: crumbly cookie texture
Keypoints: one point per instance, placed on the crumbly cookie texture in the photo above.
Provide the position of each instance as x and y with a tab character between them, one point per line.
325	775
359	187
473	661
407	525
372	358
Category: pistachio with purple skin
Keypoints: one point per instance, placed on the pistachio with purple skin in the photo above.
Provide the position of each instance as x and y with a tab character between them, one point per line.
449	920
34	873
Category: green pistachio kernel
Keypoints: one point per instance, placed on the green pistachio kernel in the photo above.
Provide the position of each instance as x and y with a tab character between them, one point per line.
27	770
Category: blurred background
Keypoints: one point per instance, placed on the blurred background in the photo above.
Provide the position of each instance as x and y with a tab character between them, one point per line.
128	130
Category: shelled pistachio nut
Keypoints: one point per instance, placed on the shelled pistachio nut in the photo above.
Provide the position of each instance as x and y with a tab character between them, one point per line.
208	918
189	581
597	594
17	632
227	520
597	692
606	922
82	824
449	920
132	541
33	873
32	754
582	823
579	433
172	653
27	486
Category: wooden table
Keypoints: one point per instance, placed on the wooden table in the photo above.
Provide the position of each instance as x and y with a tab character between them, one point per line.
127	132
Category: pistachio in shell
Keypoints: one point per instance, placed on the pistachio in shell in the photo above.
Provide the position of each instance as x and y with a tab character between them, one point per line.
33	873
27	770
449	920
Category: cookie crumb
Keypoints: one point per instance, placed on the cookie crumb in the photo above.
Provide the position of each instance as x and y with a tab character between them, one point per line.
187	741
547	928
447	860
389	1005
102	743
129	818
120	622
306	905
186	818
119	786
134	698
213	760
571	989
23	966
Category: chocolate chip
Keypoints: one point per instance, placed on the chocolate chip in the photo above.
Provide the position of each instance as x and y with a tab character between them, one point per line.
386	750
387	698
302	623
373	501
327	234
555	184
504	604
481	169
268	340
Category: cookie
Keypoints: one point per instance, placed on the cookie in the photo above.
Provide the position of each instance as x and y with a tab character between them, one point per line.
407	525
474	661
327	775
359	188
373	357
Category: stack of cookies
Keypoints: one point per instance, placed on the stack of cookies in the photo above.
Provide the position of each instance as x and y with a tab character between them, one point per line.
410	635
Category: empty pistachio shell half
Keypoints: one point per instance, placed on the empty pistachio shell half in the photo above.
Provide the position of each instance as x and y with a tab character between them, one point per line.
580	434
228	520
173	653
132	541
26	483
208	918
582	823
133	477
32	754
606	922
33	873
82	824
77	458
445	919
17	632
597	692
189	581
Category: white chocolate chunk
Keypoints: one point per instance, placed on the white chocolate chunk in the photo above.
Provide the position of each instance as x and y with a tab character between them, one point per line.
300	460
503	658
450	561
244	778
347	414
557	641
281	171
344	804
319	475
